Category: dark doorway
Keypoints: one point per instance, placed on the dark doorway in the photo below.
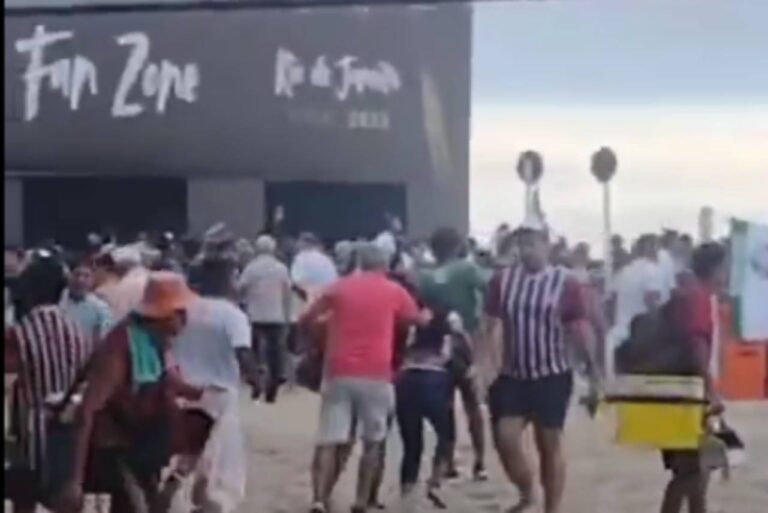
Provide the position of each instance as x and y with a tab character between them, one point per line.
67	209
336	211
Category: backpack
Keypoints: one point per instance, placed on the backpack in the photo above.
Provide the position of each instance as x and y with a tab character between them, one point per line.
657	345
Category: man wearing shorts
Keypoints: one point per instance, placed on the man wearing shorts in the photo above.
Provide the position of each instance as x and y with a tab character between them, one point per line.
540	307
362	312
695	311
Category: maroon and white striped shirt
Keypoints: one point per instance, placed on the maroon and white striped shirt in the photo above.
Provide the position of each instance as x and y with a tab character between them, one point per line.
51	349
534	307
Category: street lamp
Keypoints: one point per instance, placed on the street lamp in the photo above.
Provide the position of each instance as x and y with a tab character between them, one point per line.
530	168
604	164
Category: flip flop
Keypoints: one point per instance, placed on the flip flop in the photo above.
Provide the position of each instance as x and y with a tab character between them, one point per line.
435	499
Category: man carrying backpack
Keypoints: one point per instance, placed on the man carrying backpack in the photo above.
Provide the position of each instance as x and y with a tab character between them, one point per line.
694	312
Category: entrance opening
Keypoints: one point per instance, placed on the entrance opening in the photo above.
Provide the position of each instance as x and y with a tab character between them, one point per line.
336	211
67	208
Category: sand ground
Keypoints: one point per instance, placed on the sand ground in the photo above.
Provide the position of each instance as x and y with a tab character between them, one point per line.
602	477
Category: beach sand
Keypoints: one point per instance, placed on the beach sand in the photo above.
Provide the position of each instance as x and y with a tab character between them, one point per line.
602	477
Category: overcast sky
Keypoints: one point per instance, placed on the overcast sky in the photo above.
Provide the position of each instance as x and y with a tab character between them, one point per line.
679	88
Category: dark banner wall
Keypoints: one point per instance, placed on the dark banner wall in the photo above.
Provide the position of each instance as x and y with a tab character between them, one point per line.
380	94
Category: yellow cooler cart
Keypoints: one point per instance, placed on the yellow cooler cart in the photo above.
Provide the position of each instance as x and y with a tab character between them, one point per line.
659	412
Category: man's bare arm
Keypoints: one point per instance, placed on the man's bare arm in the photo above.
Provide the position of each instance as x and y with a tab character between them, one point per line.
492	337
582	335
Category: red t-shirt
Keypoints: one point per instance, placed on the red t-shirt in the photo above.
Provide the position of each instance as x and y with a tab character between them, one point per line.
364	309
694	312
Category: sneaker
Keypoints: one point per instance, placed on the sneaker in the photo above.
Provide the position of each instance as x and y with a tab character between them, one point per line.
317	507
479	473
376	505
452	473
435	499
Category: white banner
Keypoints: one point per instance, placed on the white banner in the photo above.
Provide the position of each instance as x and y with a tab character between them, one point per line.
750	285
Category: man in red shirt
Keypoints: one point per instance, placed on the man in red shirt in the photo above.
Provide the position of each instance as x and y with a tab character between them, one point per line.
695	311
362	311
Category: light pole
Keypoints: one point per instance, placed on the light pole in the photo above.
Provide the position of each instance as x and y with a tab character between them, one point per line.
530	168
604	166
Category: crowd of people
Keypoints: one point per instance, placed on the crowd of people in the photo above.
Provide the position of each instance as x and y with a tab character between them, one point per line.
139	352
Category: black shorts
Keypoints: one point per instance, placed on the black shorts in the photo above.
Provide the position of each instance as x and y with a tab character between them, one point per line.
468	390
682	462
23	486
543	401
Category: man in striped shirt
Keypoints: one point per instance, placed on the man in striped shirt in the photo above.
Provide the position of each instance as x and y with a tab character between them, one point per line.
46	349
541	310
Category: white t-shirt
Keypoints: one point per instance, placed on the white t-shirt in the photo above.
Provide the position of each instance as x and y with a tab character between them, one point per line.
669	269
314	269
205	349
631	286
264	283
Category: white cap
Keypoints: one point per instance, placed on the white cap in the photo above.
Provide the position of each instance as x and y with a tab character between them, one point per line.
128	256
265	244
343	248
385	241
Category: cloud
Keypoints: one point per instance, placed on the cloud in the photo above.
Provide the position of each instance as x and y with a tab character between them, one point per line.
622	51
672	161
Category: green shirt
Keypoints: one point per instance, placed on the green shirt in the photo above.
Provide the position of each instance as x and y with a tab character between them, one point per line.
455	286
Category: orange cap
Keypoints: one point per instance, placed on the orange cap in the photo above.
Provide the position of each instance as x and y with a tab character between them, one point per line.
165	293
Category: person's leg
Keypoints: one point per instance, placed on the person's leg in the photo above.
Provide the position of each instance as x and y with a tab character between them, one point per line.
258	347
552	466
551	396
470	399
291	354
508	404
378	480
275	354
451	471
325	475
375	402
411	430
369	461
335	425
508	437
674	493
688	484
344	452
439	412
697	495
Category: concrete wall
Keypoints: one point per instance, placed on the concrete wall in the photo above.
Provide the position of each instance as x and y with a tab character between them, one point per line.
238	202
14	211
436	204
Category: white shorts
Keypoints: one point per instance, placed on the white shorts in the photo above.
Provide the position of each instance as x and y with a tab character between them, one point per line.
347	401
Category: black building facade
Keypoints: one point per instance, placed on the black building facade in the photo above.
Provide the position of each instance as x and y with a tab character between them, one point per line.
180	117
